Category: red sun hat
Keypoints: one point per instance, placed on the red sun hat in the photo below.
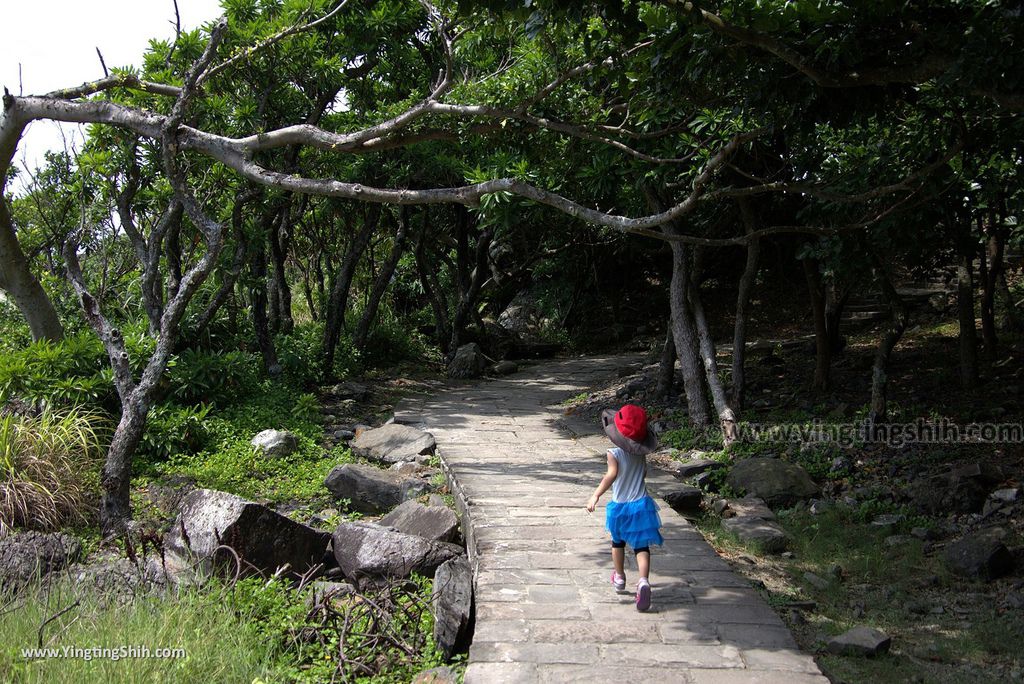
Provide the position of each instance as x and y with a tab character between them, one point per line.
627	428
631	421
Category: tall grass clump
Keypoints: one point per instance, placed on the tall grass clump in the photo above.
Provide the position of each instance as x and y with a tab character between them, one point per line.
213	641
49	469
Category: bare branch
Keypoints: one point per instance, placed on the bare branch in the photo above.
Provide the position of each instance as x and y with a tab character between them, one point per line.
177	34
106	72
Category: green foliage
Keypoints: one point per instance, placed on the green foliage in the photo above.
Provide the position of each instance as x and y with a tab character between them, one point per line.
307	408
301	354
212	376
688	437
72	372
222	457
49	469
14	332
172	430
817	458
390	341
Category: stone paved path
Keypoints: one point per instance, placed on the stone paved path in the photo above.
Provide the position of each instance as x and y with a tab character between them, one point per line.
545	611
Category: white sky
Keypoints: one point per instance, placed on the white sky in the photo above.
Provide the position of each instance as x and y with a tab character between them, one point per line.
55	42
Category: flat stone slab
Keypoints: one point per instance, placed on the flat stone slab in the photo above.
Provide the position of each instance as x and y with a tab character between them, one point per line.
860	641
393	443
545	610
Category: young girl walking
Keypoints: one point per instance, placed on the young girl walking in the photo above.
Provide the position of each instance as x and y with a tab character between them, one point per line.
631	516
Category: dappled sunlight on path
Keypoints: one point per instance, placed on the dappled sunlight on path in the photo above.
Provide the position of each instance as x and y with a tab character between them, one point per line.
545	611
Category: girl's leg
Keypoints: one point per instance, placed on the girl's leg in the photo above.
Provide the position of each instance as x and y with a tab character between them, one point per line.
619	558
643	561
643	586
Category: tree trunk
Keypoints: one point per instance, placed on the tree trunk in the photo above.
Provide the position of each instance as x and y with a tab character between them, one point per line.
726	415
16	279
965	317
381	282
430	288
273	304
897	325
747	280
307	292
1013	321
280	242
684	334
468	298
835	303
227	285
667	365
115	503
822	348
993	258
258	297
338	303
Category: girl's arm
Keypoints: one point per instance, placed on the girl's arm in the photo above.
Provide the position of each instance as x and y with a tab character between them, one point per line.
606	482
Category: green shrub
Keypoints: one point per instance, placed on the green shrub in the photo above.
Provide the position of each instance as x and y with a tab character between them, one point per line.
300	354
306	408
50	467
14	332
172	430
212	377
71	372
390	341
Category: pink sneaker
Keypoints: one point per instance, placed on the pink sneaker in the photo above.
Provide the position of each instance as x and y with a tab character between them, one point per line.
643	596
618	581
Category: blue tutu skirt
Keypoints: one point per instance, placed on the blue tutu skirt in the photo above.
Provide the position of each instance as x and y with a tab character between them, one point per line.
636	522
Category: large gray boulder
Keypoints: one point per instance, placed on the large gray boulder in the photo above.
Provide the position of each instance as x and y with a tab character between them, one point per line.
28	556
264	540
437	523
860	641
372	490
982	557
366	550
764	534
393	443
505	367
452	603
468	362
276	443
685	499
949	493
754	523
779	483
349	390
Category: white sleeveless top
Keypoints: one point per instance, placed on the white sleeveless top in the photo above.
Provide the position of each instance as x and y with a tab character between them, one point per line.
629	484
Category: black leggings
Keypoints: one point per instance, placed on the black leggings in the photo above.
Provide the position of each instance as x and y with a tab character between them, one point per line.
622	545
